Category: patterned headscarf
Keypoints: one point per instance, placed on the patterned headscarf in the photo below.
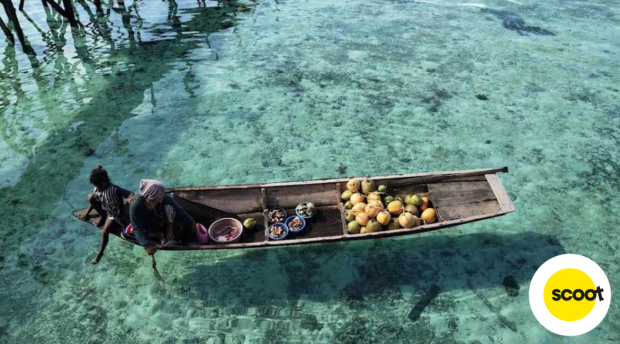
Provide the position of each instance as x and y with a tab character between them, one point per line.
151	189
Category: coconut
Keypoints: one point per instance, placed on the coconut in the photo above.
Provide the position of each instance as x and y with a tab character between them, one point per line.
374	196
348	205
407	220
358	208
425	203
249	223
353	185
416	200
388	199
410	208
353	227
368	186
363	230
349	216
373	210
400	199
362	218
382	188
377	204
394	224
395	208
373	226
417	221
408	199
357	198
429	215
384	217
346	195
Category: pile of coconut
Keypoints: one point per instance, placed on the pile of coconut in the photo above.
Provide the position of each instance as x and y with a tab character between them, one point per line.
366	212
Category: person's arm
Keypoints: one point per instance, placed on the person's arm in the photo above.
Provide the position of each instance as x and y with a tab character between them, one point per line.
83	217
126	194
138	227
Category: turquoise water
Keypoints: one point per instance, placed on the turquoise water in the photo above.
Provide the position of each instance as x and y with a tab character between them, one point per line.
242	92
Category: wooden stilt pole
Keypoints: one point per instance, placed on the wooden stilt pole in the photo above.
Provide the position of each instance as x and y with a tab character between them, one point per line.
7	32
69	12
56	7
98	7
21	5
12	14
44	4
125	15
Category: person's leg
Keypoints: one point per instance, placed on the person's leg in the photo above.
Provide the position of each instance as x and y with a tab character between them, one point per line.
94	202
110	225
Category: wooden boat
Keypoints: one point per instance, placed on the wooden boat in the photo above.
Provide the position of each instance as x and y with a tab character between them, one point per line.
458	197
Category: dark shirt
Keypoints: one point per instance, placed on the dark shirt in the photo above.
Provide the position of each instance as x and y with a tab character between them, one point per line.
145	220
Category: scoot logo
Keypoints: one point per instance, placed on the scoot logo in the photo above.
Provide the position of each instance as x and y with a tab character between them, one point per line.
570	295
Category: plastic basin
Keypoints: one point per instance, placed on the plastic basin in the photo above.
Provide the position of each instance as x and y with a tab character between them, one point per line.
218	229
286	231
303	224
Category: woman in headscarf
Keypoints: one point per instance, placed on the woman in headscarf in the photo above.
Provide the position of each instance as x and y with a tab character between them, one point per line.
156	217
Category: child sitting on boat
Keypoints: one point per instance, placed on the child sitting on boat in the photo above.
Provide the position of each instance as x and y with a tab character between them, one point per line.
108	200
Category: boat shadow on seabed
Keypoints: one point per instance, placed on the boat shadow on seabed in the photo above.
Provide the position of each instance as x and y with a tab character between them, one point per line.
357	273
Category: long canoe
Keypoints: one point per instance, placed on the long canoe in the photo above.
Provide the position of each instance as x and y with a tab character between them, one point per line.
458	197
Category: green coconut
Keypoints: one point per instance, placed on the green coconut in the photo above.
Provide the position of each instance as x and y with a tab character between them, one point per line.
349	216
410	208
408	199
368	186
249	223
346	195
400	199
348	205
416	200
353	227
382	188
363	230
394	224
373	226
388	199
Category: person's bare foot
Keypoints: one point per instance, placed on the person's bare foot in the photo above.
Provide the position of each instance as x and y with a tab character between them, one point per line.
96	259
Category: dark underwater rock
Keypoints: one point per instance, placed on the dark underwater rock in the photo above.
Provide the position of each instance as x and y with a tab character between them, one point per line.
511	285
419	307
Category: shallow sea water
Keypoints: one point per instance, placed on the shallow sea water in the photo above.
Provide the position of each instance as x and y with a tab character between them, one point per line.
243	92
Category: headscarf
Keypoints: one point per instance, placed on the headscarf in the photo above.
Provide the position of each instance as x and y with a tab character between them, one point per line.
151	189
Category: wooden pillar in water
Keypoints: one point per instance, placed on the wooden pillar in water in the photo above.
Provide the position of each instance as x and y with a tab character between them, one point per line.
21	5
124	14
69	13
6	31
98	6
12	14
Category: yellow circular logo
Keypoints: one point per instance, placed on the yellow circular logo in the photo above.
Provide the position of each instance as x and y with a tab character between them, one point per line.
570	294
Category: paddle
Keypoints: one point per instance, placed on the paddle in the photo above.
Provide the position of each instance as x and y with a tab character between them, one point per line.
155	271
